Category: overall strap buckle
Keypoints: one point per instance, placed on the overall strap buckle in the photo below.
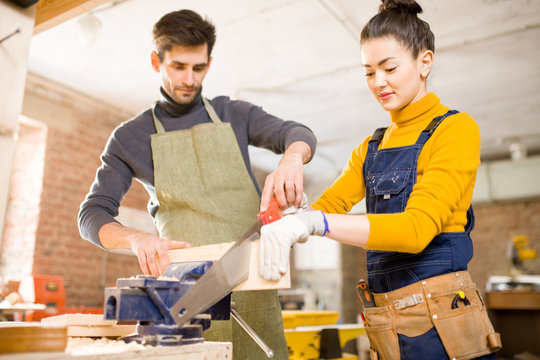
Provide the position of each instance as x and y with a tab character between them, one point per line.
408	301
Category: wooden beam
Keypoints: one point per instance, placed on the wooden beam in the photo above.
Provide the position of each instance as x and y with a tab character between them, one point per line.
54	12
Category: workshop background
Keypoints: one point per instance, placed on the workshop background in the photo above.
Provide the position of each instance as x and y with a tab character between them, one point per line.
298	59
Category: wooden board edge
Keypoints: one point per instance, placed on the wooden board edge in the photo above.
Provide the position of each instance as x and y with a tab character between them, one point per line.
78	319
101	331
215	252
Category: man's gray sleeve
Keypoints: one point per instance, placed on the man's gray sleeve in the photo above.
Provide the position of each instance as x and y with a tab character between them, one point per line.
274	134
100	206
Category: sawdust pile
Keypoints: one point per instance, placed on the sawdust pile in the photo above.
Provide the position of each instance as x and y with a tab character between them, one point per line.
89	346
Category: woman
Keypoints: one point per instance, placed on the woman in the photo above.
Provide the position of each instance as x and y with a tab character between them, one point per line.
417	176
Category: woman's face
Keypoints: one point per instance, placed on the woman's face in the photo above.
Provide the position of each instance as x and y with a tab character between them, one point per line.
393	76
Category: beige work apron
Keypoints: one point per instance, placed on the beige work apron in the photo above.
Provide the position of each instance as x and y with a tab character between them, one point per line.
206	196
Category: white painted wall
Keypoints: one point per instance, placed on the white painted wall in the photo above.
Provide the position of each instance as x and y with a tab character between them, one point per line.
13	66
508	180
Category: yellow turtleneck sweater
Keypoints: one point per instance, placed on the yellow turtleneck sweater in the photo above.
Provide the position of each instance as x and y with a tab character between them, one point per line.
446	175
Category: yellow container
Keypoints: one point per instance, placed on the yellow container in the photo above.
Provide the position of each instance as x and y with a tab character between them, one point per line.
295	318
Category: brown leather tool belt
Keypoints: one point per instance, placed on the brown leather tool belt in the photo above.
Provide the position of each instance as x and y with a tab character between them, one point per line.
449	302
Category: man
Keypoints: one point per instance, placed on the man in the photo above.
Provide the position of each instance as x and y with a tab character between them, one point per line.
191	155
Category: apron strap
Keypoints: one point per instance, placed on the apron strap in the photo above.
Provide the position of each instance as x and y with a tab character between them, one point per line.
210	110
157	123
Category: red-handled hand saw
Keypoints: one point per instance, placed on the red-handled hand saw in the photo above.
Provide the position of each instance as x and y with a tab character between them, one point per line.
225	274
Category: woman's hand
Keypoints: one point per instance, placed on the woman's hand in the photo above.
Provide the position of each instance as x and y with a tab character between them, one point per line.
278	237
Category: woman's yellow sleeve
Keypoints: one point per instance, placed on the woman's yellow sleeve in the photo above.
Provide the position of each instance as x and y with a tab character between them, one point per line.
348	189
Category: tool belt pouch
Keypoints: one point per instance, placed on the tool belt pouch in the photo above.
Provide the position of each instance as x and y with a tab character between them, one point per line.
466	331
382	333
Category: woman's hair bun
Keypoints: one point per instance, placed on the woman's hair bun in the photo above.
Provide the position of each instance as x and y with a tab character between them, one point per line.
399	18
409	6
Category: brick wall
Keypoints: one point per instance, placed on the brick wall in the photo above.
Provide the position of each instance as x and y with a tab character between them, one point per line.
22	213
496	224
78	128
71	160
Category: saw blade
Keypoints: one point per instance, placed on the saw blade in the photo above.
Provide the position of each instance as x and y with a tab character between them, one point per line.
224	275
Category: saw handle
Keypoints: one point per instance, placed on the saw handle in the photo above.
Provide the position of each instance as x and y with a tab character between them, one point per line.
365	294
271	214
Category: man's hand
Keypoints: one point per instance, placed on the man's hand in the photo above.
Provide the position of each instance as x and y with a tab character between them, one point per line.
151	250
278	237
286	183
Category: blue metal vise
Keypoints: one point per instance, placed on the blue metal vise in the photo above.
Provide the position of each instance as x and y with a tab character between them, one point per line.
148	300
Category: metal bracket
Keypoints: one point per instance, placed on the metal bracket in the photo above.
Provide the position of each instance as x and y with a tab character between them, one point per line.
269	352
408	301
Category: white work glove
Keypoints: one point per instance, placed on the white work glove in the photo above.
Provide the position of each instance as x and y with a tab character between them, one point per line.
304	206
278	237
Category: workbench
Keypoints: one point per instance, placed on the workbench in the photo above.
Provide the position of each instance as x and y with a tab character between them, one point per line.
103	349
515	314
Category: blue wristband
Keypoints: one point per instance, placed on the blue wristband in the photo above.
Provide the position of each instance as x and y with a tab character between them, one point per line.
326	229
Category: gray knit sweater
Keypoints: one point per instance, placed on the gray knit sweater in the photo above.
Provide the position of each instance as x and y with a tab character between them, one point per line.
128	153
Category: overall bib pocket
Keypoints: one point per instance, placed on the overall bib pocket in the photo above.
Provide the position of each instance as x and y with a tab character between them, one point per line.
391	183
388	186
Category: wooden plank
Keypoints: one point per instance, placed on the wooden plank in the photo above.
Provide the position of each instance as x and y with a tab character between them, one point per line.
101	331
216	251
53	12
78	319
89	325
200	253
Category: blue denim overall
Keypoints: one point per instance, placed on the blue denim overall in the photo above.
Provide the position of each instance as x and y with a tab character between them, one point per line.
390	175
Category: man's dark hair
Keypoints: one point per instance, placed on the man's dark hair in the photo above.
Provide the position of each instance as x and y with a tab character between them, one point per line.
184	28
398	18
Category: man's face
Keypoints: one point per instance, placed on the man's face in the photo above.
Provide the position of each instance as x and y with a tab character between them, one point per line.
182	71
